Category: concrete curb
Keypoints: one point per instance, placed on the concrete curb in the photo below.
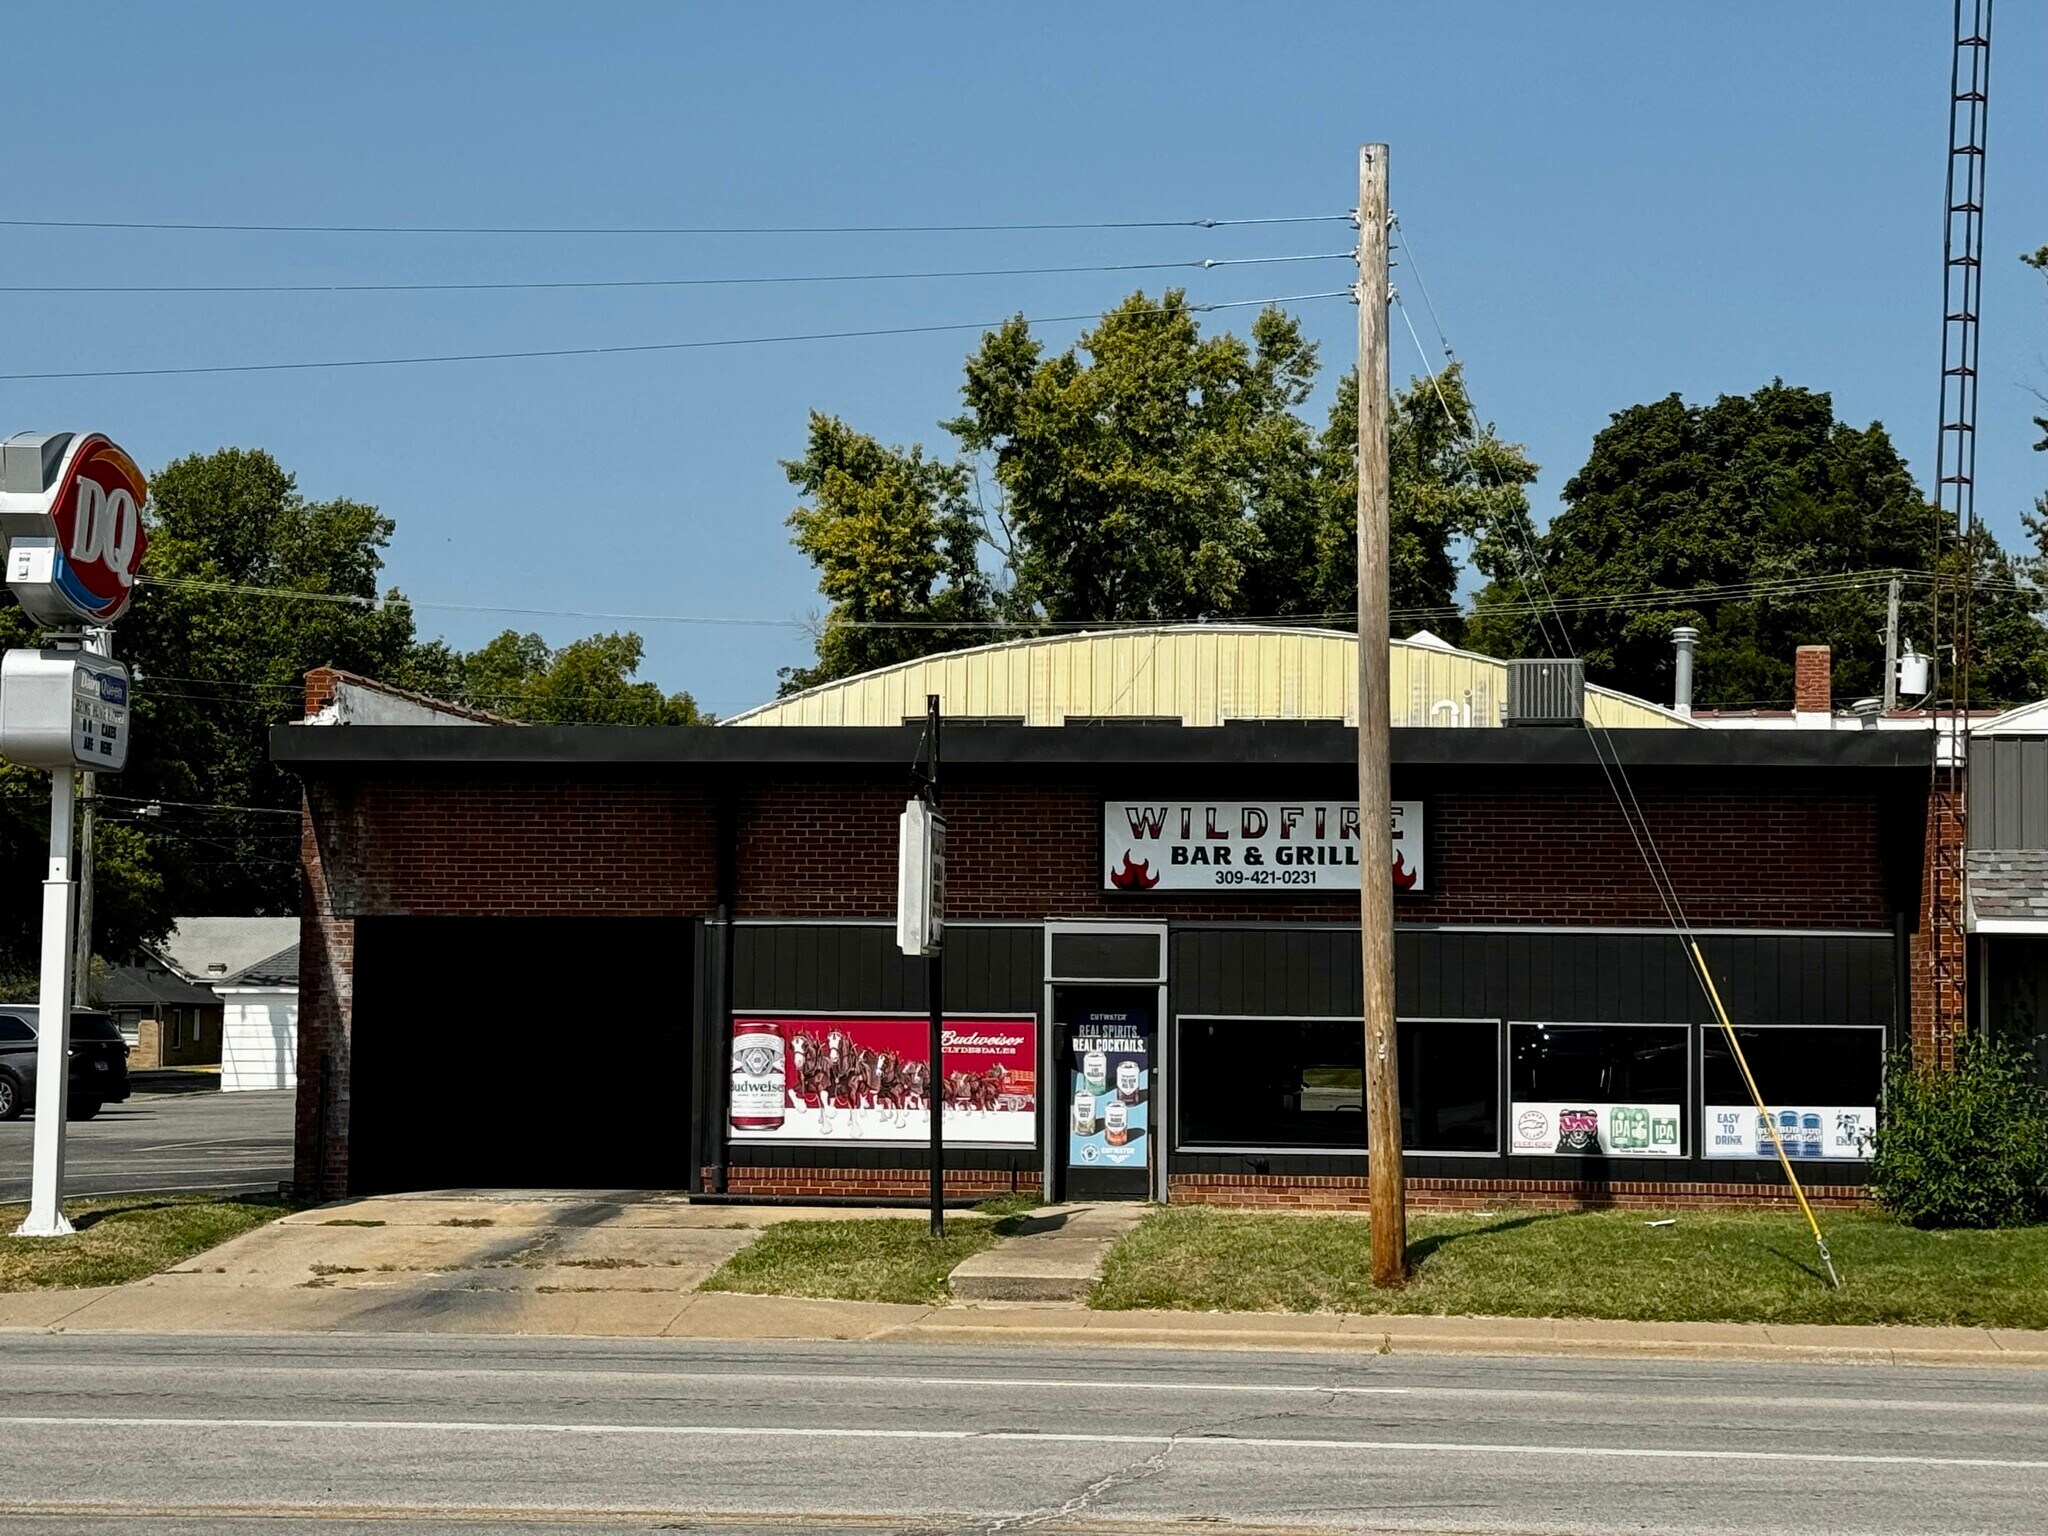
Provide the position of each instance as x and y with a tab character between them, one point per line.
728	1316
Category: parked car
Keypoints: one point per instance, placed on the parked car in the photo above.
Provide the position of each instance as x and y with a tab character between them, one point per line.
99	1062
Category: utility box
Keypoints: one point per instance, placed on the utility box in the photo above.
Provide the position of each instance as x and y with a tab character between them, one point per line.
1546	692
62	710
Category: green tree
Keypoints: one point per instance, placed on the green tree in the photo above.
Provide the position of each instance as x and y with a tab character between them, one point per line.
1136	469
1760	488
1148	472
896	543
1453	484
587	682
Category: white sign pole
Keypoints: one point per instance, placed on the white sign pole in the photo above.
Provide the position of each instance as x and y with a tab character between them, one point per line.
53	1027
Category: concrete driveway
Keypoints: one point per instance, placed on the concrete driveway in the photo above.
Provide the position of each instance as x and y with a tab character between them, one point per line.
587	1262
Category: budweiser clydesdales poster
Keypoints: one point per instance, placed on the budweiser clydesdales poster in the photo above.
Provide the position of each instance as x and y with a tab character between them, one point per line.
1206	845
832	1080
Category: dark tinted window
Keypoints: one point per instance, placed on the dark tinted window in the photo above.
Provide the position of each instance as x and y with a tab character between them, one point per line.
1795	1066
1287	1083
1450	1085
93	1026
1600	1063
14	1030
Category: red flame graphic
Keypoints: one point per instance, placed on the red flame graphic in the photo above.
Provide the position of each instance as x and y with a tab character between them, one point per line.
1404	877
1133	877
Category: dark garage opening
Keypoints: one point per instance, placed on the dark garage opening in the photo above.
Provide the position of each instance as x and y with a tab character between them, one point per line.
543	1053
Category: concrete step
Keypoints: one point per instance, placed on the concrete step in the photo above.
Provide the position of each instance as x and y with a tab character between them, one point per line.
1053	1255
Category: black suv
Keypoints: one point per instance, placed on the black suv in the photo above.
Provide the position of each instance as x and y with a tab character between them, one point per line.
99	1062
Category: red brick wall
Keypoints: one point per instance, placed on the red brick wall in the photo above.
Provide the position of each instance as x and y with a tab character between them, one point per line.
1775	855
511	846
326	1000
1306	1192
1936	1023
875	1183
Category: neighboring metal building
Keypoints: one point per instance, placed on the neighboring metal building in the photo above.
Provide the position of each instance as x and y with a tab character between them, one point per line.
1190	674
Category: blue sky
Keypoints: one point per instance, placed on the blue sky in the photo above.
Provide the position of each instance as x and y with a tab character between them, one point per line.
1611	202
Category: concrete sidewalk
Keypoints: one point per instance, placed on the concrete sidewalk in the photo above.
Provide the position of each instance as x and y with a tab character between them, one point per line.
623	1264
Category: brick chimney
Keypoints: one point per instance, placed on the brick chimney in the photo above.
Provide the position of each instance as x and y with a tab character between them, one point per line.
1813	684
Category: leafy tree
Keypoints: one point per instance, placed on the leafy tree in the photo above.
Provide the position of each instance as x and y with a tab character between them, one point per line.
895	543
1760	488
1451	481
1146	473
1136	468
588	682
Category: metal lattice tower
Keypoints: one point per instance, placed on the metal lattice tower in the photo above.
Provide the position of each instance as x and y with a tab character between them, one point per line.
1955	475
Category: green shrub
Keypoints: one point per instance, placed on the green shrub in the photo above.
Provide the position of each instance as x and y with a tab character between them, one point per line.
1964	1146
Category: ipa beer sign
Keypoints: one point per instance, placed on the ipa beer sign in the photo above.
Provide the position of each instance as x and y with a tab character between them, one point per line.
1206	845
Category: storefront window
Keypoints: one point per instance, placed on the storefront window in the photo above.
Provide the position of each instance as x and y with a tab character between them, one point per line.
1819	1084
1616	1090
1283	1084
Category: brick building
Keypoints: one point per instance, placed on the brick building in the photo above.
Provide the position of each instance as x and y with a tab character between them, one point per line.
600	956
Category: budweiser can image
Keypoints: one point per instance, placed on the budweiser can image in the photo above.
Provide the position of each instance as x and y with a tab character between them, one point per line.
1127	1081
1095	1071
1084	1114
757	1076
1116	1123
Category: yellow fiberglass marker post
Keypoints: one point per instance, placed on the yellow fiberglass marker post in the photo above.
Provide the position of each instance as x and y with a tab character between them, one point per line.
1763	1113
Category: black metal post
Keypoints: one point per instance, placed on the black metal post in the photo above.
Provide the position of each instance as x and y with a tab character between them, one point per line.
935	990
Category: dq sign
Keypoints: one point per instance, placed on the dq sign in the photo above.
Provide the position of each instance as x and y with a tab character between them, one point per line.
71	507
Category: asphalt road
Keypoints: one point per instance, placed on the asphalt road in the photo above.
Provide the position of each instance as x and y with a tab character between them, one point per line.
383	1435
219	1141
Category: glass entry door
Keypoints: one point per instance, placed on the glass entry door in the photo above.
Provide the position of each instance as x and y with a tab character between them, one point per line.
1108	1069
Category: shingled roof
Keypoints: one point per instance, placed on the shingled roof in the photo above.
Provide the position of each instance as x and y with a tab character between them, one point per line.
2009	887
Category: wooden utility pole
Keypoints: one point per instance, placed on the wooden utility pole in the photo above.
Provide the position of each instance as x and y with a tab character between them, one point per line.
1891	647
1375	790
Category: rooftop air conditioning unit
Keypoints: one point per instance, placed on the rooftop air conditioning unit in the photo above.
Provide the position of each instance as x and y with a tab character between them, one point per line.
1545	692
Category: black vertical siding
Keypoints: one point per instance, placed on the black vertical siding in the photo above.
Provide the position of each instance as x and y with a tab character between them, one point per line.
1546	975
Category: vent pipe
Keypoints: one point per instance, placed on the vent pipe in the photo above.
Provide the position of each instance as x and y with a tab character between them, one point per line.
1681	668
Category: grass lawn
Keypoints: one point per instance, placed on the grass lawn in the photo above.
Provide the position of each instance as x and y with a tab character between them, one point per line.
890	1259
124	1237
1727	1266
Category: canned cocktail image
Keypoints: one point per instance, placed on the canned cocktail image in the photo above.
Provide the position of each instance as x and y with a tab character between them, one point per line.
1084	1114
1116	1123
1127	1081
1095	1071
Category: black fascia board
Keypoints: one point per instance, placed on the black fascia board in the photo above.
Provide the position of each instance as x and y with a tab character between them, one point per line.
315	749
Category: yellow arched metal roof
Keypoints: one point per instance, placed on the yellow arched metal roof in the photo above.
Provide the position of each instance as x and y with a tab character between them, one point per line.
1198	674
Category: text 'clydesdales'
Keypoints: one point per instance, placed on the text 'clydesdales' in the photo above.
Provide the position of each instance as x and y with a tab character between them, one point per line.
1201	845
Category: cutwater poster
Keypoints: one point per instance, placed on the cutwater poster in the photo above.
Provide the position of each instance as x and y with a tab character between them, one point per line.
1112	1089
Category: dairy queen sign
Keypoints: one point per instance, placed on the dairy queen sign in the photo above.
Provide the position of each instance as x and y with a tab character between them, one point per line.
1204	845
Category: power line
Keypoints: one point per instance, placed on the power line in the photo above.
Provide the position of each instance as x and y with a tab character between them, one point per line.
196	227
1649	597
633	347
1205	264
193	805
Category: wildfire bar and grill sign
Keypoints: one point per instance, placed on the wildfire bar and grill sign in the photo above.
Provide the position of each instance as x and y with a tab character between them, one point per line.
1202	845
